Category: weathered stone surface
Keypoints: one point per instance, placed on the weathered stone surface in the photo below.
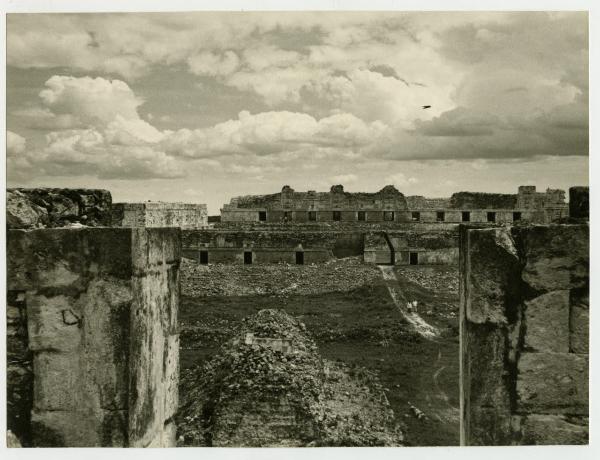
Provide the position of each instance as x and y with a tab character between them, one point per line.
493	276
547	318
557	256
580	322
553	383
55	207
153	377
99	311
80	428
486	399
525	376
553	430
579	202
22	212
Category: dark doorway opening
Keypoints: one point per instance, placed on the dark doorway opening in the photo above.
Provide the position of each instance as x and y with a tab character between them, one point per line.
414	258
361	216
204	257
516	216
248	257
337	215
491	217
466	216
388	216
416	216
312	216
262	216
299	258
441	216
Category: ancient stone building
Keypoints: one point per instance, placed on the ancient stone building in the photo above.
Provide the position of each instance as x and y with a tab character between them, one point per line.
389	206
384	227
158	214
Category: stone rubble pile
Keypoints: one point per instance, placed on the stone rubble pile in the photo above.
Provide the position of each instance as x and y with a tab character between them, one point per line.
255	395
338	275
434	279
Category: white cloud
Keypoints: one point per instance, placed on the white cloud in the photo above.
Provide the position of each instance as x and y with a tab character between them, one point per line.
343	178
400	180
212	64
270	133
15	144
91	100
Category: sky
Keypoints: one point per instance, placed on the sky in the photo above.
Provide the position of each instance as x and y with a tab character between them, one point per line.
201	107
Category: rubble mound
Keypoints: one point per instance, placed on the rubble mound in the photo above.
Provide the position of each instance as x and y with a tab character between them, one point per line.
337	275
268	386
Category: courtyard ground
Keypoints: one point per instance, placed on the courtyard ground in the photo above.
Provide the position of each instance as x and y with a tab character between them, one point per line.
359	325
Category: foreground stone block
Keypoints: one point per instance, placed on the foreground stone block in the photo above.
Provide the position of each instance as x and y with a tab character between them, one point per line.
554	430
547	319
553	383
102	327
579	322
557	256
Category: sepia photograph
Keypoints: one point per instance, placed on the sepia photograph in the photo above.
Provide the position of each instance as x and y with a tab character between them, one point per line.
297	228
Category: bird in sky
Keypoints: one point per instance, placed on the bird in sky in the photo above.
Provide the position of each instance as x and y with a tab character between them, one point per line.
426	106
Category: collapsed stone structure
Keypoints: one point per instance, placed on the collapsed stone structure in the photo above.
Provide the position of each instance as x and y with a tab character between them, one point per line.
159	214
524	309
93	345
269	387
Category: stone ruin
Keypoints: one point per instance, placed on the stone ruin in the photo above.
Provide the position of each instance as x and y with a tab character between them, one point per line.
92	336
524	310
269	387
92	326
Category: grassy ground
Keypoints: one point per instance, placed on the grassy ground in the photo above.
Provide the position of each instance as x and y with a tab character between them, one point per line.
361	327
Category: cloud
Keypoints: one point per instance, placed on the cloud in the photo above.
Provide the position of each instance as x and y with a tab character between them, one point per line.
343	178
89	152
90	100
15	144
271	133
212	64
400	180
458	122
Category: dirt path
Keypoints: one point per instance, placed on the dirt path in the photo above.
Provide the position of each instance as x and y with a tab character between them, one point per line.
419	324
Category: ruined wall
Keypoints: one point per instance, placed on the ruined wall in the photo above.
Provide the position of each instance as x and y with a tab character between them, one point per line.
156	214
290	205
435	244
57	207
390	205
270	246
93	321
524	310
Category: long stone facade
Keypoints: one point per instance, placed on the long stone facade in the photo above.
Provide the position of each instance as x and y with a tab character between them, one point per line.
524	311
389	206
158	214
93	345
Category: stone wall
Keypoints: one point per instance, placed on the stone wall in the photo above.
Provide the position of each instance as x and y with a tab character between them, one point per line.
157	214
57	207
279	245
93	343
390	205
524	310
